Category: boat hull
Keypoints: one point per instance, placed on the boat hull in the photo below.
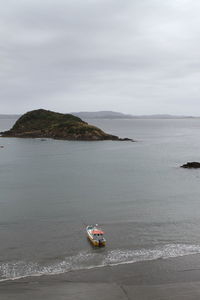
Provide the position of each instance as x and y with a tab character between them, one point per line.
96	243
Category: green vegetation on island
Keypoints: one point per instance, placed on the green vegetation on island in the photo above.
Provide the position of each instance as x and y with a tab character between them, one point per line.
43	123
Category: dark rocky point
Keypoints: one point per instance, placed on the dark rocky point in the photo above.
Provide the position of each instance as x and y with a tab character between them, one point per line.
191	165
47	124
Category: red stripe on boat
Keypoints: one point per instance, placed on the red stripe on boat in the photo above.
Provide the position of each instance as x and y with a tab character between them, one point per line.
95	231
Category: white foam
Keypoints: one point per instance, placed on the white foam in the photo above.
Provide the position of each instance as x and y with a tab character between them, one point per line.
88	260
119	256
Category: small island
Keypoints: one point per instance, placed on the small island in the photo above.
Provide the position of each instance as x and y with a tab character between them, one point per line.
191	165
43	123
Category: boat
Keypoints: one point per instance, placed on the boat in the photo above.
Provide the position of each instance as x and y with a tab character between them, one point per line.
95	235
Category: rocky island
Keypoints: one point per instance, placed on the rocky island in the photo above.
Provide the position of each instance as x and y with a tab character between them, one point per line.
43	123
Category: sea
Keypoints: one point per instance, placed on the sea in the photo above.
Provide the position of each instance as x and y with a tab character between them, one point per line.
147	205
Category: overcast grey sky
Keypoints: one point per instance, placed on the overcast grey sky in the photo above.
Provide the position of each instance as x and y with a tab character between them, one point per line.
132	56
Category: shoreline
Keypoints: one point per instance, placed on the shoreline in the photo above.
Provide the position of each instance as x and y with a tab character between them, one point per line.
172	278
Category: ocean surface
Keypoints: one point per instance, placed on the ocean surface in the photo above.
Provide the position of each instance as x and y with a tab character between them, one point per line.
50	190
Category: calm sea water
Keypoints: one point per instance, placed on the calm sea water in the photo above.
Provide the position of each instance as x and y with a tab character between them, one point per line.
50	190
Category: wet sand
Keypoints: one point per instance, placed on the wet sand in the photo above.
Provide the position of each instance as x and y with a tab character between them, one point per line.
176	278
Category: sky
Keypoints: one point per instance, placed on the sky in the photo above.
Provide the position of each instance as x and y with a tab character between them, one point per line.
132	56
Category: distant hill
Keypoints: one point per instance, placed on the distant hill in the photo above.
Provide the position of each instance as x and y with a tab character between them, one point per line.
43	123
101	115
9	116
117	115
109	115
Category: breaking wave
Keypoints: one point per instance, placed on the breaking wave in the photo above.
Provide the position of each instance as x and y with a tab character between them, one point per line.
89	260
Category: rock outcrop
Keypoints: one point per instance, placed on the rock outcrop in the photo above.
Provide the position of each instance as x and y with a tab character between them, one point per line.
191	165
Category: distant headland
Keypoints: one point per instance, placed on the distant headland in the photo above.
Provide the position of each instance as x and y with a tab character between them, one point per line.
43	123
106	114
118	115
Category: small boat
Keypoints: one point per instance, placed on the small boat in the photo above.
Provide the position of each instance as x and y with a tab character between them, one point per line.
95	235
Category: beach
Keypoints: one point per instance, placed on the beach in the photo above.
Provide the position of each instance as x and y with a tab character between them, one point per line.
174	279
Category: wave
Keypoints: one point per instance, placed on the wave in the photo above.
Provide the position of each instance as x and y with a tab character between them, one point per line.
89	260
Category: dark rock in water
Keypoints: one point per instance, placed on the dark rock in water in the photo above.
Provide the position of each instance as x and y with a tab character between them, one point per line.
191	165
48	124
126	139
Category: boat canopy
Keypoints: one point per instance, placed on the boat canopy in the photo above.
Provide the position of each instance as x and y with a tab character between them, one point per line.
97	231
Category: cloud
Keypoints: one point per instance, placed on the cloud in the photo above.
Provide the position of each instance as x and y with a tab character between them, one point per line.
132	56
